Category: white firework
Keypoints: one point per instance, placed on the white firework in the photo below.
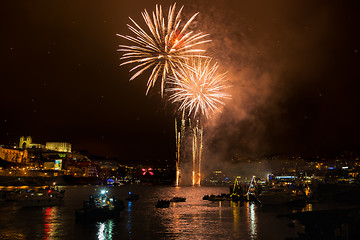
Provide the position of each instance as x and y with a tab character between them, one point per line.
163	48
197	87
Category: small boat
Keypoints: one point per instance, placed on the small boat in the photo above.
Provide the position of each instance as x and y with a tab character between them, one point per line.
99	208
132	197
42	197
238	191
206	197
220	197
241	197
162	204
178	199
16	194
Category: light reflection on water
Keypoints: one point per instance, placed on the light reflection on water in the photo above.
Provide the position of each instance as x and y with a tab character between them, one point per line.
49	226
105	231
142	220
129	218
252	220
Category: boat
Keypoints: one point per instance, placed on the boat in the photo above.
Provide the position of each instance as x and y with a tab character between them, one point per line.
162	204
15	195
99	208
220	197
238	192
279	195
206	197
42	197
178	199
132	197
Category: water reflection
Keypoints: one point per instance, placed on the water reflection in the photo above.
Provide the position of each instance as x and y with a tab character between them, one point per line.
193	219
252	220
236	216
207	219
236	212
50	225
129	218
220	210
105	230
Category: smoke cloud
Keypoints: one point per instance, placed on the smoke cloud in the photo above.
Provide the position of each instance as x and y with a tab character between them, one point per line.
269	50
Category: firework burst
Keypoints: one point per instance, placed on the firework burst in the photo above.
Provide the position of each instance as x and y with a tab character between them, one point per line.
197	87
163	48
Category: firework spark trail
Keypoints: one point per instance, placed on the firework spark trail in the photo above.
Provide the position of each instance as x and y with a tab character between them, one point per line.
197	87
178	145
165	46
199	155
194	155
197	134
177	154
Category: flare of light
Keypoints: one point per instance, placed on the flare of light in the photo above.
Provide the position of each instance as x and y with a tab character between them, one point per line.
199	155
194	148
193	178
147	171
177	177
198	88
163	47
178	142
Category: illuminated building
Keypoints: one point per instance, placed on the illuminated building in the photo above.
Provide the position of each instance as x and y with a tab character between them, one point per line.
14	155
58	146
27	143
82	169
54	165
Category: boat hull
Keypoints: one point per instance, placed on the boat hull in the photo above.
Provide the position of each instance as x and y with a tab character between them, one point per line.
281	198
100	213
178	199
163	204
97	214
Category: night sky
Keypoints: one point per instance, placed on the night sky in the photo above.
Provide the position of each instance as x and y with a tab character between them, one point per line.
294	68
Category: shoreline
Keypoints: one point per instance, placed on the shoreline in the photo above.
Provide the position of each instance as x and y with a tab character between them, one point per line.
65	180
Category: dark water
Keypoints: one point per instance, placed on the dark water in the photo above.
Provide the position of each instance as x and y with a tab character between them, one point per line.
193	219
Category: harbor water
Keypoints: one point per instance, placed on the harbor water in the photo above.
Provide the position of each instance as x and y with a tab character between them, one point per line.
193	219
